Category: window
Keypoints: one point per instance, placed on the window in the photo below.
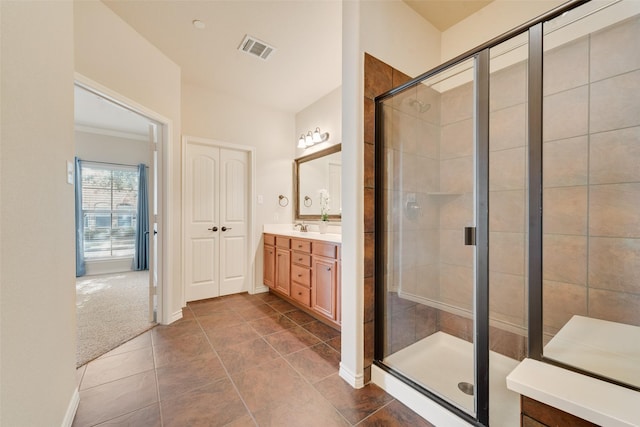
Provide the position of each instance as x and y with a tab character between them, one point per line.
109	205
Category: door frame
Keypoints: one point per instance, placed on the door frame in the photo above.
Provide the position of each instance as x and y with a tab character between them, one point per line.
164	190
251	190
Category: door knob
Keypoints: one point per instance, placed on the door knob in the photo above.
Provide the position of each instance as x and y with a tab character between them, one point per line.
225	228
214	228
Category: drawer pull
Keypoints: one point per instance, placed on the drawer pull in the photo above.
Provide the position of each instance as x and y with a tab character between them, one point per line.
299	293
299	259
299	246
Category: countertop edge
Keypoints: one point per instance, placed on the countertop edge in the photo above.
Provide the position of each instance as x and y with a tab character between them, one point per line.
311	235
594	400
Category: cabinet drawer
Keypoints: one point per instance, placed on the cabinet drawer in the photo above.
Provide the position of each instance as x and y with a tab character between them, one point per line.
324	249
301	294
301	259
282	242
302	275
301	245
269	239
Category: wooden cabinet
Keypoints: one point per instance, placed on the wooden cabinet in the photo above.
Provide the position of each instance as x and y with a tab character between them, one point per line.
307	272
538	414
324	286
269	265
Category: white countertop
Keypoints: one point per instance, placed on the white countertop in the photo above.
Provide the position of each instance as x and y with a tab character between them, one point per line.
333	235
594	400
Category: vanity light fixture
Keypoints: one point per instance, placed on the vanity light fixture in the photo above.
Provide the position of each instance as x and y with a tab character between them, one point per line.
312	138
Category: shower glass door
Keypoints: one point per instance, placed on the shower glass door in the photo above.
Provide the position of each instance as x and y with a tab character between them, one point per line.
429	171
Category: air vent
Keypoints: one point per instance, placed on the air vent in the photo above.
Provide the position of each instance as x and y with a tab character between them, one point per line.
255	47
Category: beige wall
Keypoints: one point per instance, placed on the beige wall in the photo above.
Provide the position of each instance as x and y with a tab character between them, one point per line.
114	149
325	113
111	53
38	330
216	116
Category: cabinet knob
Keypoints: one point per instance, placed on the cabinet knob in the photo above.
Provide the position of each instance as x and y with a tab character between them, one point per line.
328	268
299	293
299	275
299	259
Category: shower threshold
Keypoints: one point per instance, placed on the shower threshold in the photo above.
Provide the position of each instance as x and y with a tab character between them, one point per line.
441	362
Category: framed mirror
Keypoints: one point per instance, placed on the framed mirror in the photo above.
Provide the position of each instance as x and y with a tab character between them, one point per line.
318	176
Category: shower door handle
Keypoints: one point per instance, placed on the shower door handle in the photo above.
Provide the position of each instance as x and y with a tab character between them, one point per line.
470	236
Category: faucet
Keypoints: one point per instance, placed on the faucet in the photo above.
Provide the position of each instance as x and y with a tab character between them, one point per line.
303	227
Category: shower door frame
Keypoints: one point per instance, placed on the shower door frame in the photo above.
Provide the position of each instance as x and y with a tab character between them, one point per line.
481	289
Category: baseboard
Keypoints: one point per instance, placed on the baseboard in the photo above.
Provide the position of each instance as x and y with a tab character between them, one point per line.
71	409
259	290
177	315
354	380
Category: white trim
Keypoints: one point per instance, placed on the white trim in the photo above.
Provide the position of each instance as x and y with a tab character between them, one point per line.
110	132
164	217
177	315
259	289
251	154
354	380
71	409
419	403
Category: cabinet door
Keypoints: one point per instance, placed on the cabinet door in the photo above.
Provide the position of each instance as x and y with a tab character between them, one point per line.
323	286
269	276
283	268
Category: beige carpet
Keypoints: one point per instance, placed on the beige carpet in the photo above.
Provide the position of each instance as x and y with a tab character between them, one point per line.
111	309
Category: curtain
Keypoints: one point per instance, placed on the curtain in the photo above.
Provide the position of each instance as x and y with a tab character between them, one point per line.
80	267
141	256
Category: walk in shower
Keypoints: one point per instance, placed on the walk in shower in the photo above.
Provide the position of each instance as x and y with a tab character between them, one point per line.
508	212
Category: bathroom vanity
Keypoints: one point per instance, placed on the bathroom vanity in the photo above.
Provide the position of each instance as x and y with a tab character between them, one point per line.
306	272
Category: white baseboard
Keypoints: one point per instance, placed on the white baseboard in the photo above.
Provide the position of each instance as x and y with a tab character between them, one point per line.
259	290
71	409
177	315
354	380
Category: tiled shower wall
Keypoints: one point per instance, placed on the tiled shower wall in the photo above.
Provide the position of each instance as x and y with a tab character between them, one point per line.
592	178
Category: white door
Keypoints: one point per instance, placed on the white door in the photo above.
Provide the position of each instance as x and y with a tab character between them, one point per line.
216	211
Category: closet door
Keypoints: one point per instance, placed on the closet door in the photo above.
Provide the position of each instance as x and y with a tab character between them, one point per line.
216	218
202	225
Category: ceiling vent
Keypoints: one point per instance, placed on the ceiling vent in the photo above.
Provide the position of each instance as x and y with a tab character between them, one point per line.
255	47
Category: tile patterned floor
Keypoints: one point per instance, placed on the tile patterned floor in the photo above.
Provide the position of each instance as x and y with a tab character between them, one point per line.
240	360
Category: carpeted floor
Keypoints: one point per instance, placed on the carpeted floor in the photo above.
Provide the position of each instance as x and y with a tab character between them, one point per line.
111	309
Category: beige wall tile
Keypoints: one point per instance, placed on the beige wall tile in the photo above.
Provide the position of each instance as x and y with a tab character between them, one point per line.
405	101
403	132
615	156
418	173
560	302
507	169
506	252
507	298
614	210
456	175
429	212
457	139
508	86
566	114
614	264
615	50
453	250
564	258
614	102
614	306
456	286
508	127
456	212
407	280
428	281
458	326
565	210
456	104
431	97
428	143
565	162
566	66
507	211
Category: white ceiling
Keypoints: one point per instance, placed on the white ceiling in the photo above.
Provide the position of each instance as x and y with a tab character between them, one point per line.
306	33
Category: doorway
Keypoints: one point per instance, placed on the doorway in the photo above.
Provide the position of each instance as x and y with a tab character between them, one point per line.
117	171
218	218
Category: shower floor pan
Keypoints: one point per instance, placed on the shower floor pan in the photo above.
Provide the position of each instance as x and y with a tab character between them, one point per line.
441	361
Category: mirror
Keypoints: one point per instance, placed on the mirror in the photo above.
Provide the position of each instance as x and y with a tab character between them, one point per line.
316	174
